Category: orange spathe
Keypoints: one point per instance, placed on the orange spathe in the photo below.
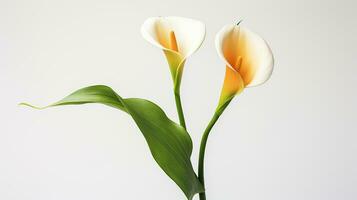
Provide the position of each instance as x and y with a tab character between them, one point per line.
178	37
249	61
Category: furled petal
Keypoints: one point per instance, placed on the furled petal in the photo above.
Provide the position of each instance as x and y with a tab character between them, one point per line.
178	37
245	52
189	33
233	85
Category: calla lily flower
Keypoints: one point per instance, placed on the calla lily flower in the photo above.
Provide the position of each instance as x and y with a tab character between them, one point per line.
248	58
178	37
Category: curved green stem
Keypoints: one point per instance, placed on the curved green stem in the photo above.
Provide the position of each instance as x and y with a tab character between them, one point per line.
180	110
204	139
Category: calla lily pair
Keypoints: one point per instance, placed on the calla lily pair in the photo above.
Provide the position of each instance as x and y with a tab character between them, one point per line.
248	58
248	61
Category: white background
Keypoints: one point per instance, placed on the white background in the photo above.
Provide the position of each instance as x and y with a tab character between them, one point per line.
293	138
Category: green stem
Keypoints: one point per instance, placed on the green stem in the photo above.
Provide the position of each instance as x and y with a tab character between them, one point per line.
180	110
204	139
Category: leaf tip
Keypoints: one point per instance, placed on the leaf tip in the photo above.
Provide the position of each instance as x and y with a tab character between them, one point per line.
29	105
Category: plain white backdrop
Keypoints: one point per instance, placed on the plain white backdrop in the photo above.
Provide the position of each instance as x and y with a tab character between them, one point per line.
293	138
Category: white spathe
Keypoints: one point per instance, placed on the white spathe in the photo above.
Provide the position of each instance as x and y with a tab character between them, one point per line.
189	33
253	51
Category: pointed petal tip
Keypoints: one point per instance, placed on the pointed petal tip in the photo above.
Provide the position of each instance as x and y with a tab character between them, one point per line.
240	21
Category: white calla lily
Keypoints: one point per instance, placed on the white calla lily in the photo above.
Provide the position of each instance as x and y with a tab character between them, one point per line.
249	59
178	37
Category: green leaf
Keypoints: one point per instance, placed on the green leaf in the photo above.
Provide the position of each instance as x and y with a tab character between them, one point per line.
169	143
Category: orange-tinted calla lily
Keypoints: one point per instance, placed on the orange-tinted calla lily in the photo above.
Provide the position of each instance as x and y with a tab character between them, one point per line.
249	60
178	37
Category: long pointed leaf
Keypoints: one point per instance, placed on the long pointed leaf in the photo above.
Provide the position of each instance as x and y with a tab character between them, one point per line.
169	143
